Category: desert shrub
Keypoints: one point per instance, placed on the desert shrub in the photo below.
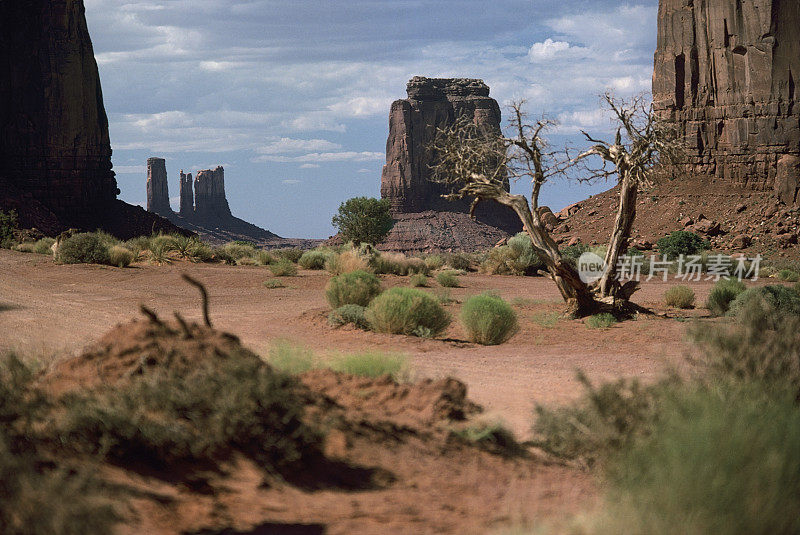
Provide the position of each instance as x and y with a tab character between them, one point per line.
447	279
434	262
314	259
796	288
183	244
546	319
460	261
247	261
274	284
681	242
292	359
160	249
363	220
397	264
353	288
788	275
9	224
347	261
407	311
85	248
601	321
283	268
120	256
723	463
370	364
606	419
488	319
292	254
571	253
679	297
264	258
498	261
784	300
26	247
526	260
221	254
238	250
137	245
44	246
418	280
167	416
349	315
489	433
722	294
761	347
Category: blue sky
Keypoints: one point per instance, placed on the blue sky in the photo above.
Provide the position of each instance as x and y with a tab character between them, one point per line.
292	97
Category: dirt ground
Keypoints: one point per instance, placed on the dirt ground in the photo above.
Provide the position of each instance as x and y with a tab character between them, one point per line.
50	311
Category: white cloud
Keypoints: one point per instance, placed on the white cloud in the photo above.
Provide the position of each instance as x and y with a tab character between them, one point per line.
323	157
549	49
291	181
310	166
289	145
362	106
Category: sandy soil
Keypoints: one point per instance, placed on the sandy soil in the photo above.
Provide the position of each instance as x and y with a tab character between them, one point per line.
50	311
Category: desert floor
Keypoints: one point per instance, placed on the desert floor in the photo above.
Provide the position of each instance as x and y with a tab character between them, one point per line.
49	311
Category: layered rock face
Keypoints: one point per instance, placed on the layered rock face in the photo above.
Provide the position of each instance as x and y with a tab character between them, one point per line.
434	103
187	194
157	188
209	194
726	74
54	142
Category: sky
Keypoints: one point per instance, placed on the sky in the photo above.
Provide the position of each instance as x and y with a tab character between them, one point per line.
292	97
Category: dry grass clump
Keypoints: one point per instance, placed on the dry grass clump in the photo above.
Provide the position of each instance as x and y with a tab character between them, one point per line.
603	320
84	248
407	311
398	264
315	259
283	268
349	315
723	294
352	288
419	280
120	256
347	261
292	254
489	320
679	297
447	279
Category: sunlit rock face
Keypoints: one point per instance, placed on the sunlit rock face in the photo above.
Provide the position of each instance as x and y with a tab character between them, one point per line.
435	103
726	74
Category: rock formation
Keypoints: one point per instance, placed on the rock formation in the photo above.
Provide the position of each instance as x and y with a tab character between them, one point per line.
55	154
187	195
157	189
209	195
434	103
726	74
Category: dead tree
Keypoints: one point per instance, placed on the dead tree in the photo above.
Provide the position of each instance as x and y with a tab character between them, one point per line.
640	143
478	164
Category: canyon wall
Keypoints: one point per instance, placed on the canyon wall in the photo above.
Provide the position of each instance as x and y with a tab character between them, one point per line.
54	143
434	103
187	194
726	74
209	194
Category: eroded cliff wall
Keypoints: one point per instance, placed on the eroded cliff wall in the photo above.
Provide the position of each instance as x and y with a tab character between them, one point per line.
726	74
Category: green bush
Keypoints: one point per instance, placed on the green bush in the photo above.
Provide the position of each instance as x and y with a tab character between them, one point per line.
119	256
418	281
722	463
9	224
516	258
783	299
167	416
605	419
292	359
407	311
283	268
221	254
788	275
264	258
347	261
44	246
679	297
85	248
447	279
349	315
370	364
434	262
397	264
488	319
363	220
723	293
601	321
237	250
293	254
681	242
314	259
459	261
353	288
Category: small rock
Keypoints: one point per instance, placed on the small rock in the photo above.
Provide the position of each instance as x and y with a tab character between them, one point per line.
787	239
573	241
742	241
741	208
771	211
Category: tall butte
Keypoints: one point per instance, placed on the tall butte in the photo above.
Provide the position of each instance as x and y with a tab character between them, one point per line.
726	74
55	153
432	104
